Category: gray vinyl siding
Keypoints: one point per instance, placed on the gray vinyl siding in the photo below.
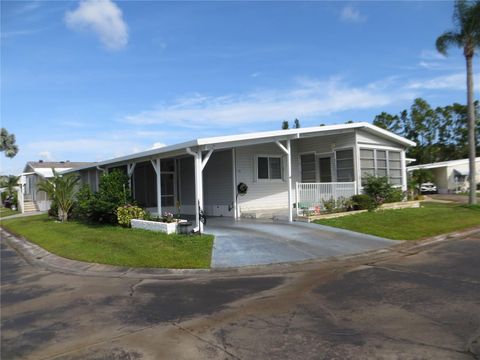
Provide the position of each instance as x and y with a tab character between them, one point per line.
367	138
326	144
263	194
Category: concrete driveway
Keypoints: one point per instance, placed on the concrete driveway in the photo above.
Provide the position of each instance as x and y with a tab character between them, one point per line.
248	242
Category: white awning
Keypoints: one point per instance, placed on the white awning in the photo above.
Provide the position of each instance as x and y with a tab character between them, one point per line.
460	172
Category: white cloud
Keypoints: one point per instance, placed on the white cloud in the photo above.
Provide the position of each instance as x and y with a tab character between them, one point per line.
446	82
309	99
86	149
104	18
158	145
46	155
431	55
352	15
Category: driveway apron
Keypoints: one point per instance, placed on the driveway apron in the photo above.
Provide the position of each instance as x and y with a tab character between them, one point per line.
249	242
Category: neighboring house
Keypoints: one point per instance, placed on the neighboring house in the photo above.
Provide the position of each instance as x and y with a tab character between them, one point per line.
30	198
283	169
450	176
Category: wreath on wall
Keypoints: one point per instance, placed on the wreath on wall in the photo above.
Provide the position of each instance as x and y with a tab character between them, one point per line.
242	188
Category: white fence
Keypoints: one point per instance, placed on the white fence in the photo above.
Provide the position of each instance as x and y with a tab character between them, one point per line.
310	196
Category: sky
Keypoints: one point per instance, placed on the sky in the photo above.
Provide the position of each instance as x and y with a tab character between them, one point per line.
90	80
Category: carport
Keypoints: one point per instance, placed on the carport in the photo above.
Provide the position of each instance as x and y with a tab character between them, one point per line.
248	242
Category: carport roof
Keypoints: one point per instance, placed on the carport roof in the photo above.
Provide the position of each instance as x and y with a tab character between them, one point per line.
222	142
440	164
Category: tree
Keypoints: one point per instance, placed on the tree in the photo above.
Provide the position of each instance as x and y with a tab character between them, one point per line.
7	143
285	125
296	124
61	190
466	17
10	183
387	122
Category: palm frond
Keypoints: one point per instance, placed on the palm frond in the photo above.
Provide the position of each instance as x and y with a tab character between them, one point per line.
446	39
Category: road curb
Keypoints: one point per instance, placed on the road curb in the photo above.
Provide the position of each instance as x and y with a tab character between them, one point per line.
39	257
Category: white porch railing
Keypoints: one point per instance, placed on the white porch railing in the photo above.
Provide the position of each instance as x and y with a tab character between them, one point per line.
311	195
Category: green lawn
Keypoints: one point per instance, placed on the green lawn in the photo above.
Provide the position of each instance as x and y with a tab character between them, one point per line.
6	212
114	245
411	224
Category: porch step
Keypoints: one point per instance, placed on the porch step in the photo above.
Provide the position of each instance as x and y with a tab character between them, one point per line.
273	214
30	206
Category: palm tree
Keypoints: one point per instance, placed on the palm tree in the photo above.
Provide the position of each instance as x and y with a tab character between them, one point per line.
10	183
61	189
466	17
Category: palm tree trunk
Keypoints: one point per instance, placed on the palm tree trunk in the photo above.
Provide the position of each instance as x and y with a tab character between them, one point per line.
471	132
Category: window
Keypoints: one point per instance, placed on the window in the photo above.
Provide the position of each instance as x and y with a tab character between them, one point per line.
344	159
269	168
167	170
378	162
395	167
308	168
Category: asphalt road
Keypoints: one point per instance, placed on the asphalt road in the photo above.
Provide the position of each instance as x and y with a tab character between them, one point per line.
411	304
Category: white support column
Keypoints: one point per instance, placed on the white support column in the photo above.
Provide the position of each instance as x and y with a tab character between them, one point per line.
234	179
156	167
130	169
200	164
289	166
288	151
197	171
404	171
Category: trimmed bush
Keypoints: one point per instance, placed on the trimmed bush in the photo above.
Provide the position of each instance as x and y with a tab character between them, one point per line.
126	213
363	202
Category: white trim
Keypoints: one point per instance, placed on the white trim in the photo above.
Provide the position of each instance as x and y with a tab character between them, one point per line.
379	147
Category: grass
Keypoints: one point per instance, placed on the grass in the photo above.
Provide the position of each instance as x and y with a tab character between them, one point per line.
114	245
411	224
6	212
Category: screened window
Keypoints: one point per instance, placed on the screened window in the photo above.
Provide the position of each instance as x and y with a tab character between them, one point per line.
379	163
308	168
344	159
269	168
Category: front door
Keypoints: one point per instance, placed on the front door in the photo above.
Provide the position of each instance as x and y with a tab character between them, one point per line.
325	169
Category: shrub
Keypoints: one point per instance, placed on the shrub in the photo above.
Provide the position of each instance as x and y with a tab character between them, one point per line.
329	205
363	202
113	192
395	195
83	205
341	204
381	191
126	213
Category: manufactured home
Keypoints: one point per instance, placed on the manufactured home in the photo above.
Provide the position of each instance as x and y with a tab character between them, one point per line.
30	198
247	174
450	176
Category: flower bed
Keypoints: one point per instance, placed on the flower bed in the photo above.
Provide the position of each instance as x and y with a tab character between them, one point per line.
168	228
388	206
